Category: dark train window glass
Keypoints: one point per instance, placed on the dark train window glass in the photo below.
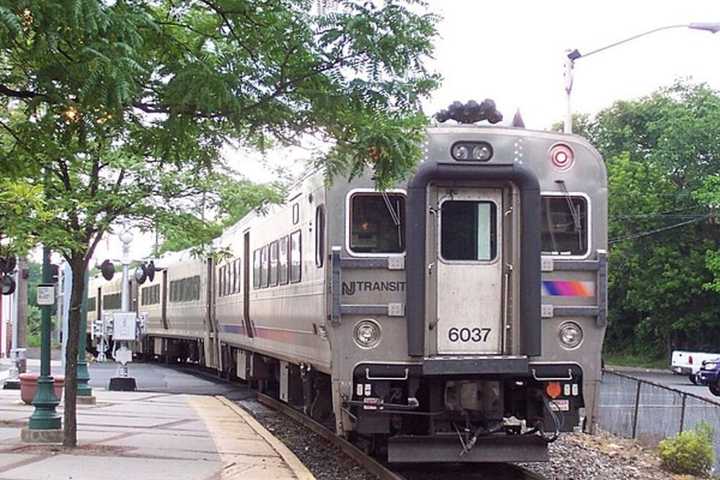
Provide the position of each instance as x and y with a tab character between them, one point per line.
274	263
236	283
376	223
468	230
283	261
185	289
319	236
295	257
228	279
256	269
221	281
264	267
112	301
564	221
150	295
91	304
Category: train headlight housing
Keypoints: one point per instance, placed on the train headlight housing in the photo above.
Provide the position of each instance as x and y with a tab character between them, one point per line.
472	151
571	335
367	333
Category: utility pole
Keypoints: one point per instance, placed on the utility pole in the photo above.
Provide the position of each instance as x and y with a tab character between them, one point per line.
45	422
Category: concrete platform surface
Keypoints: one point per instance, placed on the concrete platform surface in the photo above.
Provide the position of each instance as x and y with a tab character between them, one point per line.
136	435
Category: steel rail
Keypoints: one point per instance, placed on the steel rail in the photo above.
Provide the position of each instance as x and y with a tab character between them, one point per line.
364	460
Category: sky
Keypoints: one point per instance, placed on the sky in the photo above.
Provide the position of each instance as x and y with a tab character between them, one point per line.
513	51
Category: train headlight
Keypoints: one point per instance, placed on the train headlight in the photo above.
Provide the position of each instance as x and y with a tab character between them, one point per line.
367	333
472	151
571	335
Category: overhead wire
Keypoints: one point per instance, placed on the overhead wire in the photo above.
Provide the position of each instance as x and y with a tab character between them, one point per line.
659	230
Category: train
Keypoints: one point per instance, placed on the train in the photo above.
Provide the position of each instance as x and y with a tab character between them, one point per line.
458	316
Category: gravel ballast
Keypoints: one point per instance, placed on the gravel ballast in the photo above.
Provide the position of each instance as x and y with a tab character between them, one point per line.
574	456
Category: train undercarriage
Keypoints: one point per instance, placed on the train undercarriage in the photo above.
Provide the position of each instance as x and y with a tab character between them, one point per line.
410	413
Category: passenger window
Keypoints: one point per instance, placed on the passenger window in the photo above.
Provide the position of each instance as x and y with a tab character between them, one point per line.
283	261
564	221
295	257
256	269
238	274
220	274
319	236
274	263
376	223
468	230
264	267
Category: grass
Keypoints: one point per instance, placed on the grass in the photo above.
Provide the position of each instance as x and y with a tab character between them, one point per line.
632	359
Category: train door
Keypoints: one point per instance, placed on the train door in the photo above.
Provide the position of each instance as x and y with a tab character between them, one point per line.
468	258
163	306
246	285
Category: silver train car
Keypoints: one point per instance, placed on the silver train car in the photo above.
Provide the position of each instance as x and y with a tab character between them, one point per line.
457	317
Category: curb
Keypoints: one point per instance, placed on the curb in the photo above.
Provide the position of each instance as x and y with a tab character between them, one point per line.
292	461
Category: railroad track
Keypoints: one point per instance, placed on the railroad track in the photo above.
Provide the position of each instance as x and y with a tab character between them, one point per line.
498	471
504	471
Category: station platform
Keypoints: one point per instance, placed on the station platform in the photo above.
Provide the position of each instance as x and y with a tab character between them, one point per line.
145	435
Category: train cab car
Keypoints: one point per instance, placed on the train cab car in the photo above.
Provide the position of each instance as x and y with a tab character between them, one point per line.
468	306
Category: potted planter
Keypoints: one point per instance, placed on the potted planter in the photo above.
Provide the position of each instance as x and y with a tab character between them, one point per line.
28	386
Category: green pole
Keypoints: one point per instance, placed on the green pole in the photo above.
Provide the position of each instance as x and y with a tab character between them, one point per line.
44	416
83	375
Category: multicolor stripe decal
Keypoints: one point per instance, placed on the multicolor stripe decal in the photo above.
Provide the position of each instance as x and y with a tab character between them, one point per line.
567	288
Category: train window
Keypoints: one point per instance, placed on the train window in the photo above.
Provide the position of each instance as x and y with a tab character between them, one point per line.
150	295
228	279
185	289
295	213
112	301
468	230
91	304
319	236
221	281
264	267
564	222
283	261
274	263
376	223
295	256
256	269
236	282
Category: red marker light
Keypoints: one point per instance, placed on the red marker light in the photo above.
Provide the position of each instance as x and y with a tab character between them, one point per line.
562	156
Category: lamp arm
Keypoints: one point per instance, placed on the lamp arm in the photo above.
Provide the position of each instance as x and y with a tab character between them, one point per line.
629	39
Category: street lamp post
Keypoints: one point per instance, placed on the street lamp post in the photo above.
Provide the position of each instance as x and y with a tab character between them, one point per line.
45	422
571	56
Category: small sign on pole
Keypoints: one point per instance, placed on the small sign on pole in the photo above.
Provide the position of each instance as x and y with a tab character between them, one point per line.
46	294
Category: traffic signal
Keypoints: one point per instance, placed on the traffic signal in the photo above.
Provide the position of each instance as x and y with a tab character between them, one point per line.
108	270
54	273
7	285
7	264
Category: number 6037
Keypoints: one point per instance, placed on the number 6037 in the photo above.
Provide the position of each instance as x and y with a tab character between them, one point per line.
465	335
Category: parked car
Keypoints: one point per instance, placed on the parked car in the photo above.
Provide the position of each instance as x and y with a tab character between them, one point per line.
710	375
689	363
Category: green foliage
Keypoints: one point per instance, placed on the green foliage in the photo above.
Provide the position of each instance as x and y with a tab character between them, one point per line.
661	153
116	113
690	452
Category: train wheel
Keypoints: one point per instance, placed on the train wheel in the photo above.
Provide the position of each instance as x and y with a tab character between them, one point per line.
693	378
715	388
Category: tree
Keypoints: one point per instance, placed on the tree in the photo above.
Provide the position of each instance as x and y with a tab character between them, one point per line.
661	153
117	111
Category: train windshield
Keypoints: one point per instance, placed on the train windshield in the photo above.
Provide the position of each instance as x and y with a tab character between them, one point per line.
564	225
376	223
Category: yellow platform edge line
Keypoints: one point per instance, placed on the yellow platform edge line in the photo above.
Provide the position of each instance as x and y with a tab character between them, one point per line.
292	461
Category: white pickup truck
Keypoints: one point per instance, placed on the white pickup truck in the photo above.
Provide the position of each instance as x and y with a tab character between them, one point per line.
689	363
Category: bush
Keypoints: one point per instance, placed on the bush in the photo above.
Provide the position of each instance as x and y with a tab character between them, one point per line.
690	452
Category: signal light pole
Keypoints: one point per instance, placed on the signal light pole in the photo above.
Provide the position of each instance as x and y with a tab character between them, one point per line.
571	56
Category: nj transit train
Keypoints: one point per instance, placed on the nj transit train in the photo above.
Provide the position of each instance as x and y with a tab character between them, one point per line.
457	317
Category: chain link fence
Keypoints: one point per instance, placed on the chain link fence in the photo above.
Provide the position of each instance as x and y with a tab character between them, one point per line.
633	408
